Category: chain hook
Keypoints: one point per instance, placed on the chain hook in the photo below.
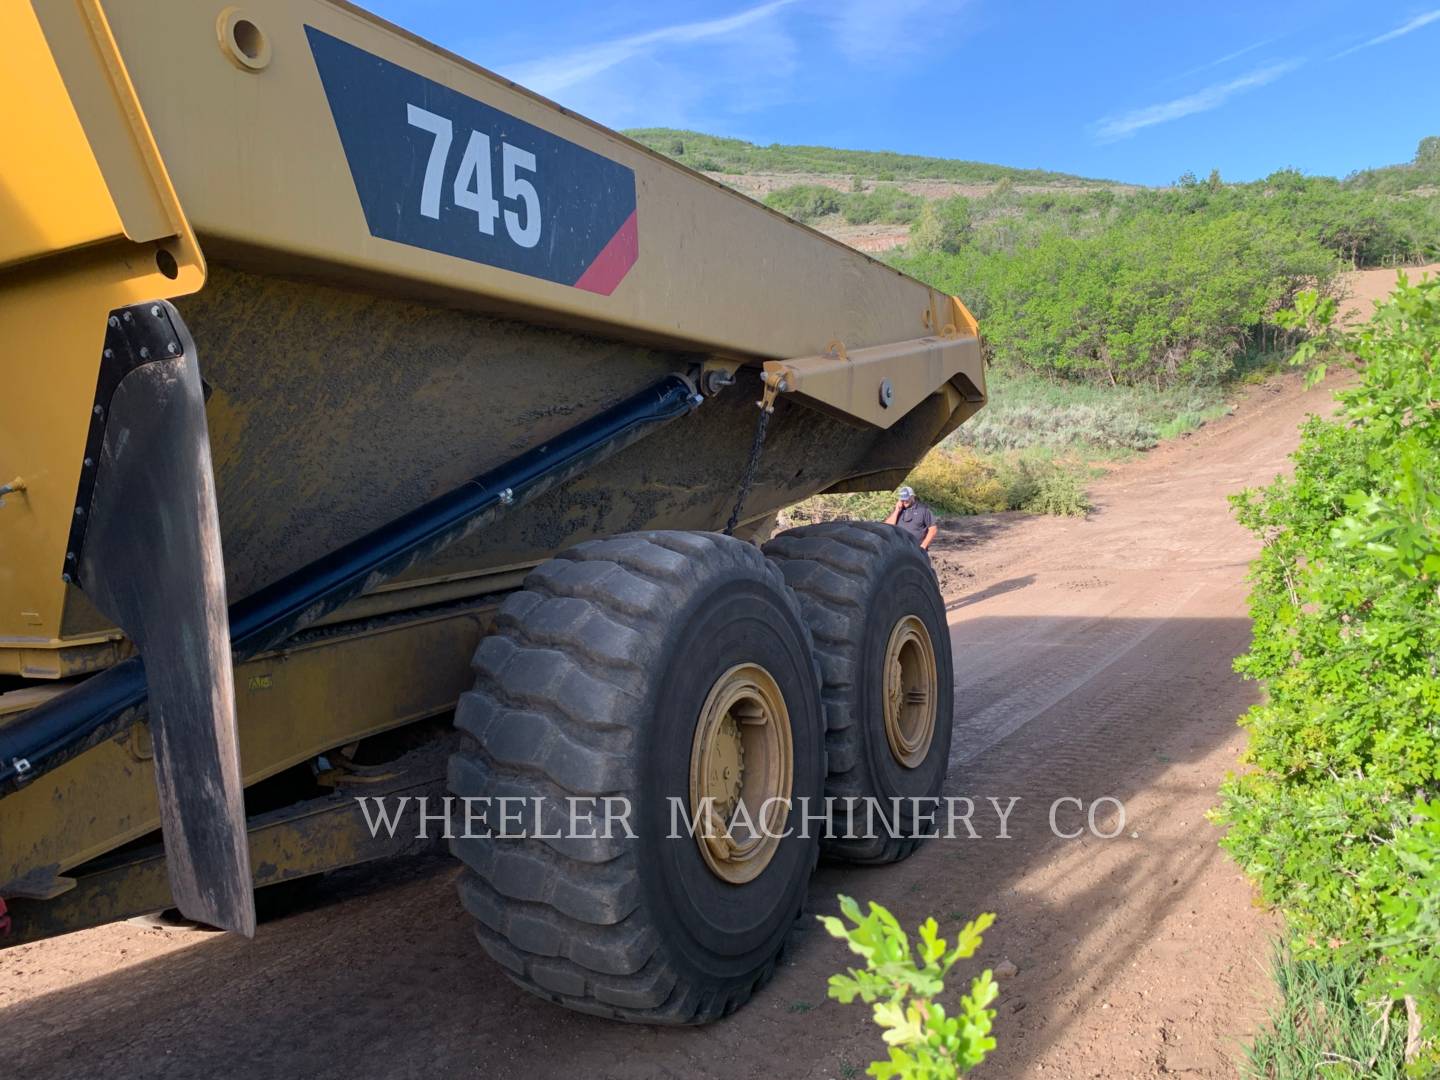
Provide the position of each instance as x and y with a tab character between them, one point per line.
774	384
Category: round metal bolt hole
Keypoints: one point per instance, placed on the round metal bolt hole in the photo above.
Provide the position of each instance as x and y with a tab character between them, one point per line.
242	41
165	263
247	38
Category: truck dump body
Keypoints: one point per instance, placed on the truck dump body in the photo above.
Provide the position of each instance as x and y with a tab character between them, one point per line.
352	374
395	273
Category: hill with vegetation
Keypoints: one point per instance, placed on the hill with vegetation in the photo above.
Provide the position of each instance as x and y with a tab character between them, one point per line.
1115	316
1423	172
711	153
1094	282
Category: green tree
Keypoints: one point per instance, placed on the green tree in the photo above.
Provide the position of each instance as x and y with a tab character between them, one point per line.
943	226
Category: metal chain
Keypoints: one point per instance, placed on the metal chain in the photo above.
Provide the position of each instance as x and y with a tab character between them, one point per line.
747	478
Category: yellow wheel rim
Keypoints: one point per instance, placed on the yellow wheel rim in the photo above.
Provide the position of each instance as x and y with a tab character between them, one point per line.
911	691
740	773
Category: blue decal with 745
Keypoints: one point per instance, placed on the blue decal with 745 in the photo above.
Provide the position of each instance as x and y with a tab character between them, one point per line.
438	170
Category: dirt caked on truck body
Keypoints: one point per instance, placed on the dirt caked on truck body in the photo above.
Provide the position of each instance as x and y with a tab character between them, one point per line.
373	427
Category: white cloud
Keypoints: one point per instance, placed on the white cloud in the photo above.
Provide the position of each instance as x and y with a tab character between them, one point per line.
1112	128
1222	60
709	74
1390	35
553	75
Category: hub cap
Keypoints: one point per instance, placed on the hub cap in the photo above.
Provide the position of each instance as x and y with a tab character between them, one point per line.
740	773
911	691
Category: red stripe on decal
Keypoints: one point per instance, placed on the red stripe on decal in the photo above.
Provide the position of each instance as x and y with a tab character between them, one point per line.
614	260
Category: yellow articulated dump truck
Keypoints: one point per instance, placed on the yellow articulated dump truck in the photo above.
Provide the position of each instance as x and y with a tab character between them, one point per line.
379	438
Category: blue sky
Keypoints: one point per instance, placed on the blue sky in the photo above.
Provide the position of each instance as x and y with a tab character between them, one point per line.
1129	91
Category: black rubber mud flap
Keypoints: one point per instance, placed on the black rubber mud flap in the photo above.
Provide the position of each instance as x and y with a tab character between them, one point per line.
146	550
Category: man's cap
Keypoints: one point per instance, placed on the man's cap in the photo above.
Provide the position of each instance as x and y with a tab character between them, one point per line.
906	493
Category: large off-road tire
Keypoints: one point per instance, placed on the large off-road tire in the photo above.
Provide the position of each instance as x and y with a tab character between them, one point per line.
871	600
594	683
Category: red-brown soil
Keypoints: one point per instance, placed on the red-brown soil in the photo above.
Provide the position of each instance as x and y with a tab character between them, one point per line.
1092	659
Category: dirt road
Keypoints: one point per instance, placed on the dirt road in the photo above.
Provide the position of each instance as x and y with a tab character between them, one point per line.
1092	659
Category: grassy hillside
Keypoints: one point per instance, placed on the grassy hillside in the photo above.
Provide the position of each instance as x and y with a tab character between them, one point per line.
1421	173
1112	316
710	153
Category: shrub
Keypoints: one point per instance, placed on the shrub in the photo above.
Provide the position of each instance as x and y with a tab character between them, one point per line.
881	204
942	226
1030	412
902	984
957	482
1060	493
805	202
1043	486
1173	287
1336	821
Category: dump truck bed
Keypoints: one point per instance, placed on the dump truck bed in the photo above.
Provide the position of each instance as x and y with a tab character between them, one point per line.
361	354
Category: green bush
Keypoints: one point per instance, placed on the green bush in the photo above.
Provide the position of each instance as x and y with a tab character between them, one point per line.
1030	412
1158	297
744	157
1059	493
882	204
956	482
805	202
1173	287
943	225
1336	820
902	984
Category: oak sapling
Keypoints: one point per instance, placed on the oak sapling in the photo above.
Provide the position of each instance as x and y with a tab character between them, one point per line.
903	985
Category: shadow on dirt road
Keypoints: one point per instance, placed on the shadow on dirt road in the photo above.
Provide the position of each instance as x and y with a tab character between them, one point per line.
1092	662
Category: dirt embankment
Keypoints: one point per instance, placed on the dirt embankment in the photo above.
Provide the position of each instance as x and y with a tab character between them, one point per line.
1364	289
759	184
880	236
1092	661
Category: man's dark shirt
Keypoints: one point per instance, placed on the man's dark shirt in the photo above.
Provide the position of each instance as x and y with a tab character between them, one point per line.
916	520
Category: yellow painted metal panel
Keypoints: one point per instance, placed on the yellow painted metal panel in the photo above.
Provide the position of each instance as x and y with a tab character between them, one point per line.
53	307
52	195
881	384
261	171
291	705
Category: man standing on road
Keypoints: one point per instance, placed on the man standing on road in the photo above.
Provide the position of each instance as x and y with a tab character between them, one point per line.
913	518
